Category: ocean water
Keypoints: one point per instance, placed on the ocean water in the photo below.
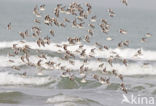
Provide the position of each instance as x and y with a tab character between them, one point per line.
50	88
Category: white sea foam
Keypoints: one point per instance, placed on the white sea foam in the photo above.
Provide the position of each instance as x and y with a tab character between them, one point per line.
131	69
124	53
93	65
12	79
63	99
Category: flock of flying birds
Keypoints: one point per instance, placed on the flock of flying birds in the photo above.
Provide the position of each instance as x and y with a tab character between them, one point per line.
80	14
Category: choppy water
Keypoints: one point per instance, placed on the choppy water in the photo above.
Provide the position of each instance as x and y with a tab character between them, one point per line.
52	89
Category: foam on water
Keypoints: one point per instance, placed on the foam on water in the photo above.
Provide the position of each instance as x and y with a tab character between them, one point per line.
124	53
93	65
67	100
12	79
131	69
63	98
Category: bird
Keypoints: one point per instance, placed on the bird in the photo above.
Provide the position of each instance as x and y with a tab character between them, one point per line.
125	2
52	32
12	61
42	7
102	80
108	38
111	12
22	58
90	32
148	35
66	20
106	47
37	21
143	39
93	18
96	77
15	67
24	74
122	31
39	62
39	42
36	12
125	62
121	77
110	61
9	26
92	26
22	34
83	80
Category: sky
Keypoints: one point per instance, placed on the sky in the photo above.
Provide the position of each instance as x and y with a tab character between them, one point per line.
146	4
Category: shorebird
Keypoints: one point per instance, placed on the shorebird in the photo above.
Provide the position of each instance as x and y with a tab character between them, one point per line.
120	44
102	80
39	42
93	18
74	24
24	74
110	61
37	21
39	63
83	80
35	11
139	52
108	38
26	33
108	80
56	12
114	72
125	2
123	88
92	26
42	56
126	43
22	58
42	7
92	50
104	70
47	20
12	61
122	31
106	47
111	12
52	32
101	65
62	9
87	39
148	35
62	25
9	26
125	62
96	77
104	21
15	67
121	77
90	32
143	39
22	34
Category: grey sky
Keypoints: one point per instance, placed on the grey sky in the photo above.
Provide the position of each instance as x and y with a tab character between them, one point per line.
146	4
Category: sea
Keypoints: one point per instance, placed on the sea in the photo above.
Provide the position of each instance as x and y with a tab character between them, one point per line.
50	88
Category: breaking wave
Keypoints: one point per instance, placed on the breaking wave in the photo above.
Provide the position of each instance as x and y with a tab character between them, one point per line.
134	68
127	53
12	79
